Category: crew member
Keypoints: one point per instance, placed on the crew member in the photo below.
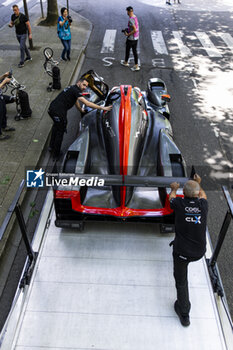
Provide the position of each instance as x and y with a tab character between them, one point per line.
70	96
190	238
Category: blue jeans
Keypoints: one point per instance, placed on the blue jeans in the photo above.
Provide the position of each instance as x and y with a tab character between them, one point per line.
23	47
67	48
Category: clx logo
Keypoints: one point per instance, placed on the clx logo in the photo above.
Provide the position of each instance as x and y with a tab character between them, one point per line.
35	178
195	219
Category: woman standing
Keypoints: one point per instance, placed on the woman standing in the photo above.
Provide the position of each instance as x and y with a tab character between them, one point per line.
63	31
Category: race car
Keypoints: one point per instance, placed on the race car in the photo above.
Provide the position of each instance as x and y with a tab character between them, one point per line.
122	162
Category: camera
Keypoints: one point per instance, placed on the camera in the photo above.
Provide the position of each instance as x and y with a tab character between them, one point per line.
69	19
124	30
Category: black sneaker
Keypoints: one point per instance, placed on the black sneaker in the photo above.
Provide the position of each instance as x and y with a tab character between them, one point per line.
27	59
21	65
184	320
8	128
4	137
68	58
63	59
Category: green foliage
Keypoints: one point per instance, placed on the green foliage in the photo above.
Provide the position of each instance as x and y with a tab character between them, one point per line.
5	180
33	211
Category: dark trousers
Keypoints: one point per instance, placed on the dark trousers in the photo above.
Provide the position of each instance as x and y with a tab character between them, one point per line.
58	130
131	44
23	47
4	99
180	272
67	48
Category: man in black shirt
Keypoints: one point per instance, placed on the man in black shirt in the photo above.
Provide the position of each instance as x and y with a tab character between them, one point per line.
190	238
70	96
22	25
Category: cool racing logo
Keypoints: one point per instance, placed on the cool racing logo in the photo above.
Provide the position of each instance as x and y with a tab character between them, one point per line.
192	215
35	178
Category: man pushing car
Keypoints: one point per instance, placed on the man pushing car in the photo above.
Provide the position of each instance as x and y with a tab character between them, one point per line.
70	96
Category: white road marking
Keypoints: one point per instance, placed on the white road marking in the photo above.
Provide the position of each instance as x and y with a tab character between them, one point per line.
184	50
227	38
107	61
109	41
8	2
194	83
207	44
158	42
20	4
160	47
158	62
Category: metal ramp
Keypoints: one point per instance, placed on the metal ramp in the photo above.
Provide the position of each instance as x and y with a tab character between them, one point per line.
111	287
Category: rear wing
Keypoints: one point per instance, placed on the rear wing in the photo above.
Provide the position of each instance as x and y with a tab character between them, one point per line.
128	180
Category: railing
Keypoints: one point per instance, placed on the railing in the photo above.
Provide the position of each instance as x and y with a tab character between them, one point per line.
15	207
212	262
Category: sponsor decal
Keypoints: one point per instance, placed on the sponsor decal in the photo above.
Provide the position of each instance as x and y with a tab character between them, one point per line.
193	219
192	210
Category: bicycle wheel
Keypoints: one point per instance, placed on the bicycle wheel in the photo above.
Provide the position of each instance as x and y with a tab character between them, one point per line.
48	66
48	53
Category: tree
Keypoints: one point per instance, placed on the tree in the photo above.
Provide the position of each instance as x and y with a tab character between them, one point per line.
52	13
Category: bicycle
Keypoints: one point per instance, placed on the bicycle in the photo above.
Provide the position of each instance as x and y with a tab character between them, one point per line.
51	68
21	97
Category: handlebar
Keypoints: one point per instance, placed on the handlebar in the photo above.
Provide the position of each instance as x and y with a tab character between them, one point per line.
14	84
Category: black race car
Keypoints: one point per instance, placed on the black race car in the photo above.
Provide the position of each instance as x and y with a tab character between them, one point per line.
122	162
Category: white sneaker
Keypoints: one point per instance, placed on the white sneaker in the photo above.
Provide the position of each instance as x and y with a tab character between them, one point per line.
135	68
124	64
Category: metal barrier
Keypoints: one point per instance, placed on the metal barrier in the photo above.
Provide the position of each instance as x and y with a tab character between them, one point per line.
212	262
15	207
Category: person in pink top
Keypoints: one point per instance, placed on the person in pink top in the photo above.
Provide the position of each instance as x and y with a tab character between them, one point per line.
132	34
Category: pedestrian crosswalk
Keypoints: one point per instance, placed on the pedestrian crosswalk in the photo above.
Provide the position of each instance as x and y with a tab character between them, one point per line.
207	44
15	2
196	43
227	38
109	41
158	42
185	51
